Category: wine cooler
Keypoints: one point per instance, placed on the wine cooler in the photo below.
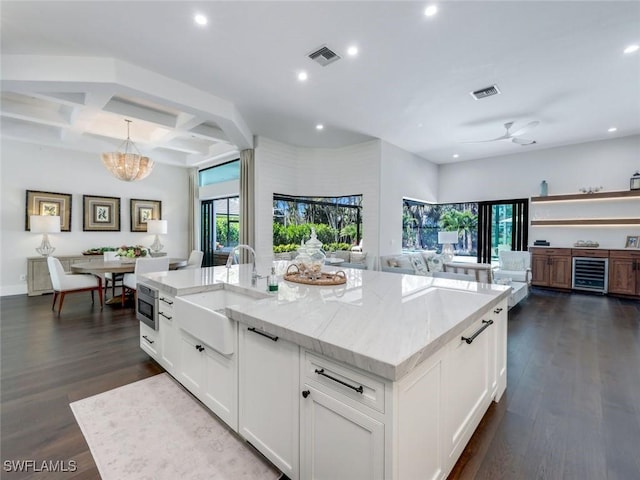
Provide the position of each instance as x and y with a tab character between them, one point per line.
591	274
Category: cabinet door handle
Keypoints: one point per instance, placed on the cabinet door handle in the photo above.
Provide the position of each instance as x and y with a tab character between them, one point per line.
165	316
200	348
358	389
147	339
168	302
264	334
306	393
486	325
497	310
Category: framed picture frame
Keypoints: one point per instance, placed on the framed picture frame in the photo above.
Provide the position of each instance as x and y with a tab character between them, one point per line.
49	203
143	210
633	241
100	214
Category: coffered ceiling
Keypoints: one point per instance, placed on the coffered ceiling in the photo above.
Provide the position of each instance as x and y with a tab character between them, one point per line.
72	72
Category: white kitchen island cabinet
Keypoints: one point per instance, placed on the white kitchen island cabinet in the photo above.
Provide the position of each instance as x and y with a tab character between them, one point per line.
268	395
386	378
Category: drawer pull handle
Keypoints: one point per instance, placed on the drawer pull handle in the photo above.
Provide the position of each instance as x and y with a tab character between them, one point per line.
200	348
306	393
497	310
165	316
358	389
264	334
147	339
486	325
168	302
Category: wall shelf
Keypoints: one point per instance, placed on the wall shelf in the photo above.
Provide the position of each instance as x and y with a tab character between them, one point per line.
586	222
588	196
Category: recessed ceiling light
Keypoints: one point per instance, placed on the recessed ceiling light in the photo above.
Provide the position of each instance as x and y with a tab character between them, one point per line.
455	155
302	76
612	129
353	50
431	10
200	19
632	48
319	126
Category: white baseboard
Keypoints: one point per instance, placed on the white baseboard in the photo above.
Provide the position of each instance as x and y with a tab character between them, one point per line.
13	290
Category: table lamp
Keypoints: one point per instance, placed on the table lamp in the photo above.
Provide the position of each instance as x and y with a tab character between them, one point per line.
159	227
45	224
447	239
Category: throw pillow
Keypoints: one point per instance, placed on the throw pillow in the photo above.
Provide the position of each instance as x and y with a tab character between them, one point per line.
434	263
418	264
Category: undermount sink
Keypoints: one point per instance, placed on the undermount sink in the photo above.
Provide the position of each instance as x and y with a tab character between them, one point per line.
202	315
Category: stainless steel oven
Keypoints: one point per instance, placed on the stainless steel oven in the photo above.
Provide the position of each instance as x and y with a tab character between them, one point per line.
147	305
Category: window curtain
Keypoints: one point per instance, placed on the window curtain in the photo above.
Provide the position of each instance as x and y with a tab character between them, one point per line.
193	213
519	226
247	202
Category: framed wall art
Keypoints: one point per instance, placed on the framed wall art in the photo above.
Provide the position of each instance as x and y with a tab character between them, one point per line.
143	210
633	241
101	214
49	203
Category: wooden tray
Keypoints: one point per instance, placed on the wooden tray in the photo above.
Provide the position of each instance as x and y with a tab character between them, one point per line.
337	278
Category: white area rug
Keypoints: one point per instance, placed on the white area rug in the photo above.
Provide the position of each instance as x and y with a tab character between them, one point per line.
153	429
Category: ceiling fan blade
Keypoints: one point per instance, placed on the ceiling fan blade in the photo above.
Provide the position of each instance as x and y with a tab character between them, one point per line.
525	129
503	137
522	141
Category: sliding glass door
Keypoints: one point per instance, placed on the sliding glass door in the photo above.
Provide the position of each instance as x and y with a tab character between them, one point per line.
220	227
502	225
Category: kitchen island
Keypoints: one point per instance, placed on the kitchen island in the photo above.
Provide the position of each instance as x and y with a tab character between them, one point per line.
386	376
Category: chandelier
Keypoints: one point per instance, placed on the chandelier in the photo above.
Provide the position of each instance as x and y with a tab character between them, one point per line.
127	164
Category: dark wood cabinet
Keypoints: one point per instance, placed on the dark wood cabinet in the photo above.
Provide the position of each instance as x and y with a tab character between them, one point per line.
624	272
551	267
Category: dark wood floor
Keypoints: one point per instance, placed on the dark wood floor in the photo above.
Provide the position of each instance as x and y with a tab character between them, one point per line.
571	409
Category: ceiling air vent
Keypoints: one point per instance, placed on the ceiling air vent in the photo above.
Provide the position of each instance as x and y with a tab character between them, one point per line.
324	56
485	92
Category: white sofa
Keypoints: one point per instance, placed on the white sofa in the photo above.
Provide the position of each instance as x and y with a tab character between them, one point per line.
424	262
515	265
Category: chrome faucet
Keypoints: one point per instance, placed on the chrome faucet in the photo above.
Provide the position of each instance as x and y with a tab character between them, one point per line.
254	272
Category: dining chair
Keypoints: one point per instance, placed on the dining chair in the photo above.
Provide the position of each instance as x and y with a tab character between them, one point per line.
109	277
64	283
143	265
195	259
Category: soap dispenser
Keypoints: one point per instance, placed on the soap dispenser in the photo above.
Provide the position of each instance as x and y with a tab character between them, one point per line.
272	281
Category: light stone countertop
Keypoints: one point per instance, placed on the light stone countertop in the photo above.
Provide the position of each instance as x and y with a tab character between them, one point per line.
383	323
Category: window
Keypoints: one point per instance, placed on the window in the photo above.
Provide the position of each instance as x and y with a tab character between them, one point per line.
421	223
225	172
337	220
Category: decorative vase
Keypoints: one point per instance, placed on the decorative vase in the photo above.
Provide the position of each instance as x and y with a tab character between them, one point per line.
544	188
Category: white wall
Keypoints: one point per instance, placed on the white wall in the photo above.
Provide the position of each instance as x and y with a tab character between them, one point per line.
607	163
285	169
31	167
403	175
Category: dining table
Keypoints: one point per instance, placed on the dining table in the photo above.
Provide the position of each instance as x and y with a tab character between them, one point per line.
99	266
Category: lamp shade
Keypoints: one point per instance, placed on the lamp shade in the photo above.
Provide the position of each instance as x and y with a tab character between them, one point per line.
44	223
447	237
159	227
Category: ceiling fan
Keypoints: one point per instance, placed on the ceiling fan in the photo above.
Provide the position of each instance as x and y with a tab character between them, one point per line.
513	136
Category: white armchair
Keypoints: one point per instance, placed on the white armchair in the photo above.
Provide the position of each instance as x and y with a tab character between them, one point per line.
515	265
64	283
195	259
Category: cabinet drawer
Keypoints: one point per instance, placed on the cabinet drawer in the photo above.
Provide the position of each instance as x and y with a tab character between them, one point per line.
149	340
581	252
165	306
623	254
345	381
166	302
